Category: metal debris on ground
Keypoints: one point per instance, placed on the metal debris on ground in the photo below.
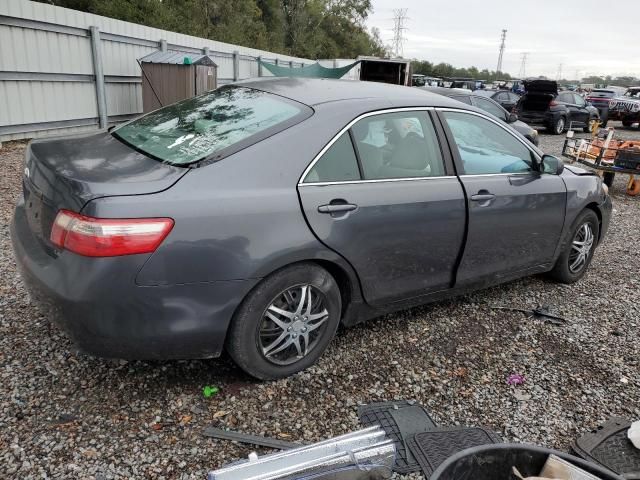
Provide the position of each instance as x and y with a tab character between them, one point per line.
541	312
249	439
363	455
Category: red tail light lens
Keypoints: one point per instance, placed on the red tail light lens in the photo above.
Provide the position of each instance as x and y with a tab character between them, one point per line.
108	237
553	103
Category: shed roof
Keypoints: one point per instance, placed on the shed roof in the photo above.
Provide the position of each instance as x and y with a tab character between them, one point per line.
178	58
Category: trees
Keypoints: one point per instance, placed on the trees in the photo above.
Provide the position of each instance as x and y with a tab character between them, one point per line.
304	28
446	70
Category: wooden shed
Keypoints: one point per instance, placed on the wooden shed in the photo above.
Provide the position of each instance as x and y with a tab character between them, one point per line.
168	77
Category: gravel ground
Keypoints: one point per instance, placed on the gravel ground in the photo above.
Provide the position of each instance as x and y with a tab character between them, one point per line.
63	415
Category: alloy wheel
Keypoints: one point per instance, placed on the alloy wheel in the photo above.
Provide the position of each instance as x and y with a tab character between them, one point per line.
292	324
581	248
560	126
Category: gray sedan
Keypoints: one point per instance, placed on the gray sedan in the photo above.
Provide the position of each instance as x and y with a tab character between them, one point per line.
260	216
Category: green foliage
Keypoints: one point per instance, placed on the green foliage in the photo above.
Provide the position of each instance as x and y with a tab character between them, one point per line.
446	70
304	28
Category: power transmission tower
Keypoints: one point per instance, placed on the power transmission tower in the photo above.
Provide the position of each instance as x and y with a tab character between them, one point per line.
399	18
559	75
523	65
502	40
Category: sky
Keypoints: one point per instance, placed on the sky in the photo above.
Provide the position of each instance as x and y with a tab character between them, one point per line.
588	37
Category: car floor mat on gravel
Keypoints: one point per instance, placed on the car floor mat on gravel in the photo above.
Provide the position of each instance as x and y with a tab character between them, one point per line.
610	447
432	448
400	421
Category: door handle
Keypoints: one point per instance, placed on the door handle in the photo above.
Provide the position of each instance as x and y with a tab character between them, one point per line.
337	208
482	197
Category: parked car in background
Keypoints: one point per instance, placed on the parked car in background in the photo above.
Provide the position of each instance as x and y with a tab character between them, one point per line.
505	98
492	107
543	105
626	108
600	98
258	217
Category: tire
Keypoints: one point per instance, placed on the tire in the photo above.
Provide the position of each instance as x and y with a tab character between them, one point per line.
564	270
627	123
558	126
608	178
271	316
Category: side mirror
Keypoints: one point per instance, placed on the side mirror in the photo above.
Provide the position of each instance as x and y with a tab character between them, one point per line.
552	165
512	118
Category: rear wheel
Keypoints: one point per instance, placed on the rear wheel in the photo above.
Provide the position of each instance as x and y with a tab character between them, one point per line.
285	324
626	123
558	126
578	251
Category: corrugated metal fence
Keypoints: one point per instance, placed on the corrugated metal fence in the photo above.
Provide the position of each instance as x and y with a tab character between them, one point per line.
54	62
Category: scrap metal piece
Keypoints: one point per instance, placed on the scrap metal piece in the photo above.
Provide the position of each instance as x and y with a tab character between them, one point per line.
250	439
363	455
539	312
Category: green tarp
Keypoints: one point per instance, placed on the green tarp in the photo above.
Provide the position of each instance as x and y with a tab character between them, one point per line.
313	71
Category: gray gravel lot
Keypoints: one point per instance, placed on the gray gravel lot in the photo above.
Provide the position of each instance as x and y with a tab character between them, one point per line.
63	415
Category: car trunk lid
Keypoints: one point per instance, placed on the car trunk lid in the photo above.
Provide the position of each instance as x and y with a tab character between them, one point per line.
68	172
541	86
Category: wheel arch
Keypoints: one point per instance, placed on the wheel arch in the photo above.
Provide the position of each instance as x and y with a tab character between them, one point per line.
346	278
594	207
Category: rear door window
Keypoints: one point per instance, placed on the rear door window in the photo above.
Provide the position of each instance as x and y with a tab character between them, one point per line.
486	148
337	164
213	125
398	145
566	97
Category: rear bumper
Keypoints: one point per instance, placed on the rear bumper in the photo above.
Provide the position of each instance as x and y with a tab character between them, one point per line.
98	304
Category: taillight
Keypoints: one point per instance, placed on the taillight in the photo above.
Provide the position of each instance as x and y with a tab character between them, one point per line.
108	237
553	103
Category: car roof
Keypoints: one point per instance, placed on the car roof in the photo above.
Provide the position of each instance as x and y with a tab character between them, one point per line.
486	93
314	91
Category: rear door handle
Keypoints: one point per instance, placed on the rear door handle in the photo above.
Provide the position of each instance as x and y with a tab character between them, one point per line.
482	197
337	208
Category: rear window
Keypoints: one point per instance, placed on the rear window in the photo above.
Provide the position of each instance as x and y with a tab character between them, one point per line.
211	126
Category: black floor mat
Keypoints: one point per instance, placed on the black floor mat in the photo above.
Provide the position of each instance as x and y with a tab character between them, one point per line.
430	449
610	447
401	421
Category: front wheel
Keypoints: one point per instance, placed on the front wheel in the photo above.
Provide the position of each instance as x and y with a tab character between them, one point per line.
285	324
558	126
577	252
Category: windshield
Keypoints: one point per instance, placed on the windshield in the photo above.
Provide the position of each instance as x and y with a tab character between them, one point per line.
633	93
217	123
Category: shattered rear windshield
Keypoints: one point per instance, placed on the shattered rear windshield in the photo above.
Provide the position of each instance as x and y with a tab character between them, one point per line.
213	125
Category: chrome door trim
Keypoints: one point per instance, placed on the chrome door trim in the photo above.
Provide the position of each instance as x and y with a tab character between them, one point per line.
380	180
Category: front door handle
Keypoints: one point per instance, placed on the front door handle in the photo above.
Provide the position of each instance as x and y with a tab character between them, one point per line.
337	208
482	197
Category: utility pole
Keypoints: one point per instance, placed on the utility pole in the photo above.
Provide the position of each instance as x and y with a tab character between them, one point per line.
502	40
523	66
399	18
559	75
